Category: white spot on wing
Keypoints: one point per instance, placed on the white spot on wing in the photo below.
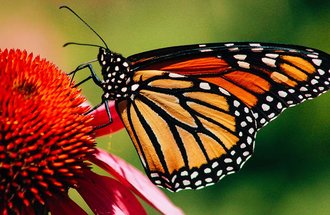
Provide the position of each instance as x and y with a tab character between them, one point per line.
314	81
215	164
208	180
175	75
243	64
229	44
312	56
228	160
239	160
186	182
272	55
303	89
255	44
198	183
249	140
224	91
317	62
257	49
154	175
184	173
205	50
134	87
233	49
265	107
204	86
283	94
321	72
194	175
269	61
240	56
269	99
236	103
246	153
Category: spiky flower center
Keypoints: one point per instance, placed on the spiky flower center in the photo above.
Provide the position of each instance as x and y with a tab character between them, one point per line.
44	136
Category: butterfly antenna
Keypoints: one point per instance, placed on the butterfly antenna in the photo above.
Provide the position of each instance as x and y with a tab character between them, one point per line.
66	7
81	44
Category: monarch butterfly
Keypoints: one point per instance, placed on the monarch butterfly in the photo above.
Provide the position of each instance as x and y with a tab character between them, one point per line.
193	111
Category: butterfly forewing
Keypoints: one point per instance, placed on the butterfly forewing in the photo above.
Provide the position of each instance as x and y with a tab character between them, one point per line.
267	78
188	133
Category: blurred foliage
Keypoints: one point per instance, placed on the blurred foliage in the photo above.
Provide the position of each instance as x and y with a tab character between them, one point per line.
289	172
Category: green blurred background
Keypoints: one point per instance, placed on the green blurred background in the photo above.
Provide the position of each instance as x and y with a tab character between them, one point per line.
289	172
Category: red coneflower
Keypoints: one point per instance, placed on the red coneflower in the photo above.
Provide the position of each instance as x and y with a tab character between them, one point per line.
47	146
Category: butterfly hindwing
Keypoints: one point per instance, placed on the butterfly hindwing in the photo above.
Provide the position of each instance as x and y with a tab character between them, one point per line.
268	78
188	133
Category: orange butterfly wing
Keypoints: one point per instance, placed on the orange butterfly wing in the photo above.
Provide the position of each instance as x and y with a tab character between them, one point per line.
268	79
186	131
194	110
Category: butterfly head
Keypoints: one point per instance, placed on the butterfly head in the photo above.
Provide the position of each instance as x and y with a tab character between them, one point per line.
116	74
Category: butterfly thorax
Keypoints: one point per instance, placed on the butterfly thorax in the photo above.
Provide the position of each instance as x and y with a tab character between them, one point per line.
116	74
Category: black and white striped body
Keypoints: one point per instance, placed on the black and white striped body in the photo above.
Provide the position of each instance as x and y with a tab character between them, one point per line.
116	83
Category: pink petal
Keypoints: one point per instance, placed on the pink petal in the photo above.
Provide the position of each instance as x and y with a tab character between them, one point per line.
105	195
101	118
136	181
62	204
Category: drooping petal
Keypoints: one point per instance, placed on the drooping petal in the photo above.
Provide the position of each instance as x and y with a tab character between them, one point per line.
136	181
101	118
62	204
105	195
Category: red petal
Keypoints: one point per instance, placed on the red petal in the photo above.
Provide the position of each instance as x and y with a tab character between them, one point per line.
101	118
62	204
136	181
105	195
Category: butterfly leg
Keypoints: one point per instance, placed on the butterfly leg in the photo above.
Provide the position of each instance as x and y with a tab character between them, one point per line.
106	105
98	82
91	76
